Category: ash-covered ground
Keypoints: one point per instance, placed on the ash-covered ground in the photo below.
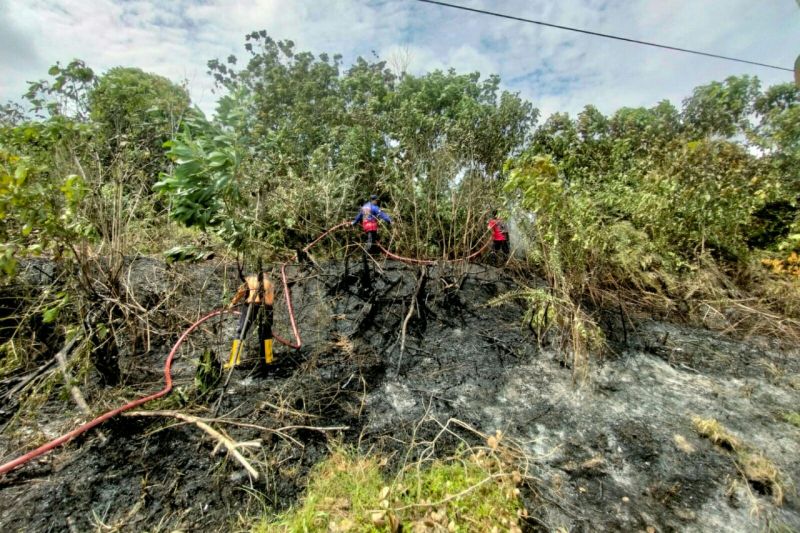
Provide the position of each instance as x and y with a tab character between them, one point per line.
616	453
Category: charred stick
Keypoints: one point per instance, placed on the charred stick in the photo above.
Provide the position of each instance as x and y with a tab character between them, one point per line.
411	306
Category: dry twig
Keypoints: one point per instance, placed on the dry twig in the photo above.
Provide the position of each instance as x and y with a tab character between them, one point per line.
411	307
222	440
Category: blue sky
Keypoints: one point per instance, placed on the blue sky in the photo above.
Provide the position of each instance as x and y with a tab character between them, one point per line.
556	70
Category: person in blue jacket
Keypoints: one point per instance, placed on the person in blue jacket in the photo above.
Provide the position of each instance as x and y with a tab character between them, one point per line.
368	215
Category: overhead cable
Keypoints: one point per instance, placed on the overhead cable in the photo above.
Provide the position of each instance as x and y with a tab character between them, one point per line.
606	35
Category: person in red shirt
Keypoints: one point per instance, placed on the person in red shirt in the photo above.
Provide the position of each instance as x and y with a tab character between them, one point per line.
499	234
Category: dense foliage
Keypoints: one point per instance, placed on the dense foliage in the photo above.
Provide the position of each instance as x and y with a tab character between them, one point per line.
651	206
320	138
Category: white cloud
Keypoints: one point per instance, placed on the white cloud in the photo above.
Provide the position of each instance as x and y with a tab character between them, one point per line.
555	69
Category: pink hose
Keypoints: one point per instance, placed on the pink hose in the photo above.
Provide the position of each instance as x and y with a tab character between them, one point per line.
41	450
324	234
288	296
429	261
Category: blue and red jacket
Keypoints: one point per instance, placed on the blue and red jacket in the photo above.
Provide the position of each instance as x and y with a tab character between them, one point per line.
368	215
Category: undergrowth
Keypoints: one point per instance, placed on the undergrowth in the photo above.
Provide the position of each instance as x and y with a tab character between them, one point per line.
793	418
787	266
471	491
576	331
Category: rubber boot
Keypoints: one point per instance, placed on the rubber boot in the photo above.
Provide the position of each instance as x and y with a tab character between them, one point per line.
245	320
265	335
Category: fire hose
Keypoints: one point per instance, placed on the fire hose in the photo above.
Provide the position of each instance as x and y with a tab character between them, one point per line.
431	261
41	450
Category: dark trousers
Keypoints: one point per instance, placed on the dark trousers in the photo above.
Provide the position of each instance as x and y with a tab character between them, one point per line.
501	246
370	241
258	312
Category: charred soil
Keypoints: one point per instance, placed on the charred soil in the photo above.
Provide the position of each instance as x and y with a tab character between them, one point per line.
383	360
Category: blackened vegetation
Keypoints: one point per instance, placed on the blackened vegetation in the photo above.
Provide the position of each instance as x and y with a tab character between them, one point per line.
616	454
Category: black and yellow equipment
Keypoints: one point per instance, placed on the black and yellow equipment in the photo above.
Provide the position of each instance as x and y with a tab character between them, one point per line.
256	296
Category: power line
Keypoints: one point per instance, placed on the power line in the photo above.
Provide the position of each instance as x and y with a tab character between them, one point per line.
606	35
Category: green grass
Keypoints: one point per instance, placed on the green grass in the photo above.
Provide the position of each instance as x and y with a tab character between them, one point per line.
347	492
793	418
11	357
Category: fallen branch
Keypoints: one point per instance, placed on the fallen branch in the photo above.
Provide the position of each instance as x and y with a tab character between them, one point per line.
281	409
25	380
314	428
222	440
75	392
61	358
422	274
280	432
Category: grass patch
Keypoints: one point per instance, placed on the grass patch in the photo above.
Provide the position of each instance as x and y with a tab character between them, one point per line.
574	330
759	471
348	492
682	444
716	433
12	357
793	418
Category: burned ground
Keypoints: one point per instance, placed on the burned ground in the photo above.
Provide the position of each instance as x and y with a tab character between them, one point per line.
616	453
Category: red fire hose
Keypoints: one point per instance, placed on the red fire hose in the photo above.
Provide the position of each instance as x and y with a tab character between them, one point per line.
167	382
41	450
430	261
324	234
288	296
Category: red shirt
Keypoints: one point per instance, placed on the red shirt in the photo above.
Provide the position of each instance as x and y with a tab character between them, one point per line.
497	235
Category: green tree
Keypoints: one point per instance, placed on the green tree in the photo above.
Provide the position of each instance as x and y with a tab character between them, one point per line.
721	108
321	138
777	134
37	214
136	112
67	94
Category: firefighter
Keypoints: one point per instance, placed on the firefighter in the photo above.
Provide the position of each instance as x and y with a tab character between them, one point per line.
500	242
258	295
368	215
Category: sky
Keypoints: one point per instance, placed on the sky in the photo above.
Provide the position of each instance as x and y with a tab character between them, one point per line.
554	69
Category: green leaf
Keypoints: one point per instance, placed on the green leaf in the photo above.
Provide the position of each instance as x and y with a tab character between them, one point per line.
50	315
20	174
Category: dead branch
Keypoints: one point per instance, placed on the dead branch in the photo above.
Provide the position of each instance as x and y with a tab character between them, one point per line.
315	428
411	307
281	409
222	440
61	358
75	392
25	380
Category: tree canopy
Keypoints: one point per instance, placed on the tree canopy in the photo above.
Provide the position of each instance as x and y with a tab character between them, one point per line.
642	197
